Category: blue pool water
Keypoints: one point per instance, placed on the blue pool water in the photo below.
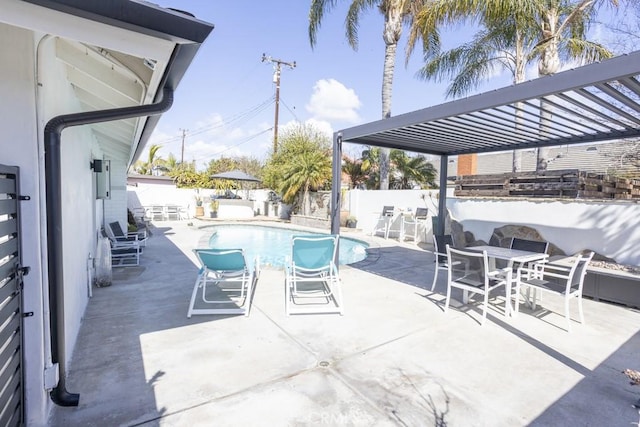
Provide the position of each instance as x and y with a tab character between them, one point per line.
273	244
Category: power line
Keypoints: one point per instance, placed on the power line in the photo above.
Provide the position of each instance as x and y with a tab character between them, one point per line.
252	111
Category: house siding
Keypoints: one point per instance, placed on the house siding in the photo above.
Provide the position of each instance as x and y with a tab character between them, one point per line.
19	147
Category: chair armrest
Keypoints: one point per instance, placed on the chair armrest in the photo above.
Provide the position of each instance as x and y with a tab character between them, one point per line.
501	272
541	273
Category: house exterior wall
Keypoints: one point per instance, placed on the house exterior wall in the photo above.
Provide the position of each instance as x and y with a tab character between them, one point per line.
17	119
115	208
23	114
55	97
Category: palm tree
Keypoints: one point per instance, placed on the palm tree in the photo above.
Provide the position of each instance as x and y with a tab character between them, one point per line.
515	33
355	171
396	13
408	171
371	166
146	168
309	169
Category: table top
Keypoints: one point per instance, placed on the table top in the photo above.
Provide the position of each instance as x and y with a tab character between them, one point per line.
508	254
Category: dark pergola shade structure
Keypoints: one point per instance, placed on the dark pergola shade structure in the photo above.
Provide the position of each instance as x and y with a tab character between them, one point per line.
594	103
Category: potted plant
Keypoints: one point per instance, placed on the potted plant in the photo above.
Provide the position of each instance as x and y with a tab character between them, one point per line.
351	221
199	208
213	208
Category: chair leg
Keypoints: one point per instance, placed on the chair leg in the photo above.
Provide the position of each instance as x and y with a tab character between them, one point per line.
287	295
580	309
446	301
566	313
484	307
193	296
435	277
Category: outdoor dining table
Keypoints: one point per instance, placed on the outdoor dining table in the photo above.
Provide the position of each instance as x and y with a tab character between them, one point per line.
512	256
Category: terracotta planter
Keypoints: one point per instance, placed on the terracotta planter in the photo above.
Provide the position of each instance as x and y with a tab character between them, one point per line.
199	211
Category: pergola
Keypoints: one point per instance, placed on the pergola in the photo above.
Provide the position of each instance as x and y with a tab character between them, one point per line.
594	103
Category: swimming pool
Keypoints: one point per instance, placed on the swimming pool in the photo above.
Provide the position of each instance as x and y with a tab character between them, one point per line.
273	244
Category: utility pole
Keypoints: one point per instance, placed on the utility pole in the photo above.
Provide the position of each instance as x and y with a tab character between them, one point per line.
276	79
184	134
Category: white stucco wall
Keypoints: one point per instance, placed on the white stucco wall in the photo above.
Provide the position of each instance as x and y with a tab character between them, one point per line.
23	115
366	206
19	147
148	194
610	228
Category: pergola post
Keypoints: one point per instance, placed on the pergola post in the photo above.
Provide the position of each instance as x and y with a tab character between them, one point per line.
442	198
336	183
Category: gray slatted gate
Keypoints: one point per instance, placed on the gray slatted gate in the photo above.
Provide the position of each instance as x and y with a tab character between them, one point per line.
11	272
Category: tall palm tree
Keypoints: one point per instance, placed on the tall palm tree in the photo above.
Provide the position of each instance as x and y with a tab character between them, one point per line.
396	13
515	32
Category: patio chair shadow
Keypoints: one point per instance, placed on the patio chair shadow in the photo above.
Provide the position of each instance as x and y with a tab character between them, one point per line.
411	266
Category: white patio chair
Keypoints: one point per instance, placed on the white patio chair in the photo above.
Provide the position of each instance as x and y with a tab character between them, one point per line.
172	212
124	253
440	244
413	224
555	279
226	282
114	231
312	283
157	213
383	222
469	271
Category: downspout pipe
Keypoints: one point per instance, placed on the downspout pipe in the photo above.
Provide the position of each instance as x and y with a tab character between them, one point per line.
53	177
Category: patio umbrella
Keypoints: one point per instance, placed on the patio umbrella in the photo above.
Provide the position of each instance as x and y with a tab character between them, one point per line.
236	175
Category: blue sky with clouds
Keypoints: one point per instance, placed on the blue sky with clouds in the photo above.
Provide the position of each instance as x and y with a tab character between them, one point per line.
225	101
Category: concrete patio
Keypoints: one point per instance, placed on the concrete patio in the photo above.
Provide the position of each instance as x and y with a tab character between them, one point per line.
394	358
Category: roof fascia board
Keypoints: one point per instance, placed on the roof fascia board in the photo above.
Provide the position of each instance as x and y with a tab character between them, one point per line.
132	15
612	69
49	21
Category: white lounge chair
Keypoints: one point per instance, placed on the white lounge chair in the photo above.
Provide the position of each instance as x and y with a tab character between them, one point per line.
226	283
312	283
115	232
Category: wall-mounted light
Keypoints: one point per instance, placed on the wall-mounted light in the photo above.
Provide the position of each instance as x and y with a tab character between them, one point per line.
96	165
592	148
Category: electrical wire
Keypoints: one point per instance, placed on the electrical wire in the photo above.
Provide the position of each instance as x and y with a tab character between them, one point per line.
246	114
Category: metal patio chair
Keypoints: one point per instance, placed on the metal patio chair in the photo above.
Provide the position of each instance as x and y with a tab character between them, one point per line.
566	281
469	271
226	282
312	283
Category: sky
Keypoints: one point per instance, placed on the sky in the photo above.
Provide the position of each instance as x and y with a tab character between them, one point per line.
225	102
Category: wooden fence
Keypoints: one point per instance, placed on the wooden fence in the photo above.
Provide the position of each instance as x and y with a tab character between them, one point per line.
568	183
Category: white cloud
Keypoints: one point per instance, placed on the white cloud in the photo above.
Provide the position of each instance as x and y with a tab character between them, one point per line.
321	126
332	101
